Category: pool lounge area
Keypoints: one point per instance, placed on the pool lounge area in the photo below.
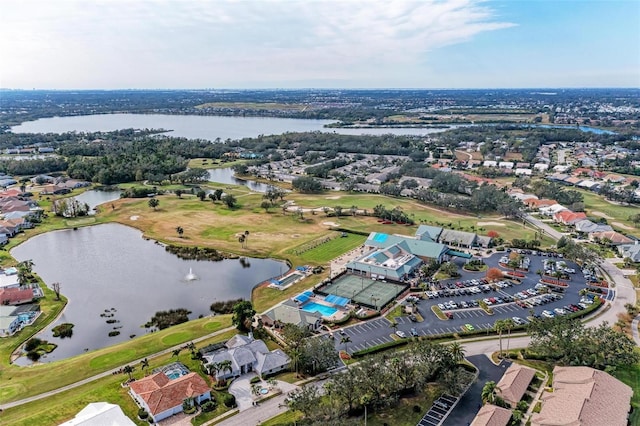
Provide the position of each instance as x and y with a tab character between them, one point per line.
324	310
287	280
173	371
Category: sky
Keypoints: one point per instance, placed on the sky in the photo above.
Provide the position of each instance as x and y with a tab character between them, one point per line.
195	44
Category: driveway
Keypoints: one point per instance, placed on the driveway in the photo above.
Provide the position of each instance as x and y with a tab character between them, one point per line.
241	389
468	406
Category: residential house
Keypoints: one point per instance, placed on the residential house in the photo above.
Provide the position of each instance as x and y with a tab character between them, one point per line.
567	217
586	397
11	229
632	251
573	180
505	165
246	355
513	384
540	167
9	280
9	323
614	178
163	397
7	182
4	238
15	296
614	237
588	227
288	312
551	210
492	415
100	414
536	204
490	163
524	172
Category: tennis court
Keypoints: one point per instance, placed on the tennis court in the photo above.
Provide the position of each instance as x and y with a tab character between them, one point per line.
363	291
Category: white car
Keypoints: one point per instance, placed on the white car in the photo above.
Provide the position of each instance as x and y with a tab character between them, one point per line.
401	333
548	314
559	311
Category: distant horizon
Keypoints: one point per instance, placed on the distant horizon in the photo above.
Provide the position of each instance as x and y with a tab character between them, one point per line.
320	44
292	89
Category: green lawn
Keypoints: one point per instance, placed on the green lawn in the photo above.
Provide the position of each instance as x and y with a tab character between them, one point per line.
58	408
332	249
21	382
288	418
615	212
631	376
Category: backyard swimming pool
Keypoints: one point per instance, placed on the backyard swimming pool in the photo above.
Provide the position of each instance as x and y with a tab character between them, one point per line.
325	311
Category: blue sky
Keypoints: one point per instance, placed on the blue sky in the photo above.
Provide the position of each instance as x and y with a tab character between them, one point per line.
111	44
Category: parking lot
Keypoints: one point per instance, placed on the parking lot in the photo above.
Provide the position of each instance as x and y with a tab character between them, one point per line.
378	331
439	411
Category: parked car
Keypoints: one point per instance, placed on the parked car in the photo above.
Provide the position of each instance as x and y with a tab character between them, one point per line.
560	311
414	332
548	314
401	333
519	321
469	327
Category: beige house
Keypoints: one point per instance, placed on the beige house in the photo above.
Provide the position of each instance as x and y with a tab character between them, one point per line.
583	396
514	383
492	415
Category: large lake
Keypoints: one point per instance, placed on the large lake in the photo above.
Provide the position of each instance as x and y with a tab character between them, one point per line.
111	266
197	126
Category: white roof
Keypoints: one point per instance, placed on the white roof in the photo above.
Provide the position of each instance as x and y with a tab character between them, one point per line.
490	163
553	209
523	171
541	166
100	414
7	281
506	164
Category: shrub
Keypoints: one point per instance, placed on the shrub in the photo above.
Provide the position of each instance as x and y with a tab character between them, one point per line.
208	406
114	333
63	330
380	348
32	344
255	380
142	413
417	409
33	356
229	400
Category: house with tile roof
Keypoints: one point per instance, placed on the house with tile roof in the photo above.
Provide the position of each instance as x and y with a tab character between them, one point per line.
492	415
162	397
567	217
586	226
632	251
247	355
288	312
616	238
16	296
514	383
100	414
535	203
586	397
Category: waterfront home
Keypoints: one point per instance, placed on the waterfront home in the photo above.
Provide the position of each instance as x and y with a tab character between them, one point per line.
100	413
162	397
245	355
9	323
16	296
9	280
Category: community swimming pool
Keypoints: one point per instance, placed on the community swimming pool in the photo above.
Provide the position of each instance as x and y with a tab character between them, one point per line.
325	311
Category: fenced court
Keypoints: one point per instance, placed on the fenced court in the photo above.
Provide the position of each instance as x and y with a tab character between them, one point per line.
363	291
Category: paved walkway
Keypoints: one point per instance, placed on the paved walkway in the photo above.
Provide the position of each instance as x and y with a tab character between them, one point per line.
106	373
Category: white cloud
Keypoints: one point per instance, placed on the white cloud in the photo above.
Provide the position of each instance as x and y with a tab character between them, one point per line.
69	43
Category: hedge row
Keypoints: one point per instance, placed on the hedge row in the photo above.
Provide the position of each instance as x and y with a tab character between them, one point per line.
379	348
351	231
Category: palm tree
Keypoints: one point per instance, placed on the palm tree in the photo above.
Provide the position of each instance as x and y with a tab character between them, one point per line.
345	340
508	324
153	203
246	238
499	327
295	355
457	351
129	369
213	369
241	239
516	418
180	231
144	364
176	353
225	366
394	325
489	392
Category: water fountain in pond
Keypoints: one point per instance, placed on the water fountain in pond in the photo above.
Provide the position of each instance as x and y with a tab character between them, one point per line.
191	276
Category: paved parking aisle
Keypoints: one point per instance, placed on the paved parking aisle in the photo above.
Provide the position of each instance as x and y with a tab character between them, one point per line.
439	411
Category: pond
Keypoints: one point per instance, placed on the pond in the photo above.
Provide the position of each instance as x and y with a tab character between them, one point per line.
94	198
227	175
111	268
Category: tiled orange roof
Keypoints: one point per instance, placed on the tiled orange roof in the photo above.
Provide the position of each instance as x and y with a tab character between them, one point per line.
492	415
160	393
514	383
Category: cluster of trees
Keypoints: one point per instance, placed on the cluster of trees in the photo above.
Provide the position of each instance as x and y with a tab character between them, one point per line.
576	252
309	355
33	166
485	198
69	207
394	215
622	195
323	170
525	244
554	191
381	382
243	313
165	319
307	185
569	342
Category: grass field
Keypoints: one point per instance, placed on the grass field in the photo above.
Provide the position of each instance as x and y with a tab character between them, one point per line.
334	248
21	382
61	407
614	212
631	376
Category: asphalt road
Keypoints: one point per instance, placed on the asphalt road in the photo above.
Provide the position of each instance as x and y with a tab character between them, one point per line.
468	406
378	331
